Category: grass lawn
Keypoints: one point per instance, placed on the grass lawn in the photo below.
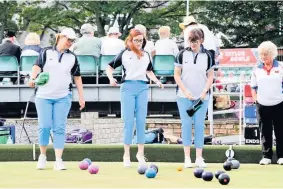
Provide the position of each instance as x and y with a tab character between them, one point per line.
114	175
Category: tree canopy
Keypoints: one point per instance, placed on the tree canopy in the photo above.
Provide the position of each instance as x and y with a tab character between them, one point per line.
245	23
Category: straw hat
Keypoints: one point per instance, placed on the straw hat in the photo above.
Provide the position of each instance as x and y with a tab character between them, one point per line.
186	21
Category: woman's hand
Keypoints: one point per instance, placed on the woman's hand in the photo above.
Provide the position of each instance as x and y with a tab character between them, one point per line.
203	95
31	83
82	103
188	95
113	82
160	84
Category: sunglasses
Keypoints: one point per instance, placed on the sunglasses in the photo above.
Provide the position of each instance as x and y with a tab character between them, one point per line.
138	40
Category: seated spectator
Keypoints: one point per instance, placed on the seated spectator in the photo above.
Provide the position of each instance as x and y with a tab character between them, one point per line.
112	45
8	48
31	47
87	44
148	46
165	46
12	37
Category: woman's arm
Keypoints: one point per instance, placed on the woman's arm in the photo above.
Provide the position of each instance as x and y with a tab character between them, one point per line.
254	95
178	80
109	73
35	70
209	81
210	77
79	85
152	77
115	63
253	85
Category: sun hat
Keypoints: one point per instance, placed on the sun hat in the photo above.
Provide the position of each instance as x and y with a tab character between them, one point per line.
187	21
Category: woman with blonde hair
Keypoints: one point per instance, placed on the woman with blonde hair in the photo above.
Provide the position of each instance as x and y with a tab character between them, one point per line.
137	67
53	100
267	87
165	45
31	48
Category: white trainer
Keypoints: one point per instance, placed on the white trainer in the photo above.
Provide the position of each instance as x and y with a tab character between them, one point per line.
41	163
200	162
127	161
188	162
265	161
59	165
141	159
280	161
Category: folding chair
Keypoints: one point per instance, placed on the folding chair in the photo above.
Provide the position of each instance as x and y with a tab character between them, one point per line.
163	66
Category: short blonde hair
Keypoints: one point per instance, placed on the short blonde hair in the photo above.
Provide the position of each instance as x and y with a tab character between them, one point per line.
32	39
268	47
164	31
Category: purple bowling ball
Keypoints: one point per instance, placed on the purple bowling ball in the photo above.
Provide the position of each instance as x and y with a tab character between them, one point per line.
93	169
83	165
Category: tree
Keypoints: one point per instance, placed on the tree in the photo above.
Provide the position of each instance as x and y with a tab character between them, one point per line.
75	13
7	10
246	23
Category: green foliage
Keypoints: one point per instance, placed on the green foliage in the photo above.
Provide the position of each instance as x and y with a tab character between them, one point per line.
246	23
7	10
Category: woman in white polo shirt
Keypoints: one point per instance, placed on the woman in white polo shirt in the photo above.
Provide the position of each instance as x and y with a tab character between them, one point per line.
266	83
137	66
194	75
53	100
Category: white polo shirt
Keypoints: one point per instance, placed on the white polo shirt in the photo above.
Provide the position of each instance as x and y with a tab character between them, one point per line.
268	83
133	68
194	70
61	67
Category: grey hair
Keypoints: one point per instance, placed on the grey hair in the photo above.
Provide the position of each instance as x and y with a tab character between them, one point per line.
269	47
141	27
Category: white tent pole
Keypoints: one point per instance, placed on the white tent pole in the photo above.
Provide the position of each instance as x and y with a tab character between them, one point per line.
188	7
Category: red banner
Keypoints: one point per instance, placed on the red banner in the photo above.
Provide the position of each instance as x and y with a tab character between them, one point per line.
238	57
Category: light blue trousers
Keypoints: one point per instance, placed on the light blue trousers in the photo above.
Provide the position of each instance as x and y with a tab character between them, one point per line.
52	114
187	121
134	100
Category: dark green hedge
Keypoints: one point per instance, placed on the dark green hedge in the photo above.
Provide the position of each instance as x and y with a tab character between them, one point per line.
110	153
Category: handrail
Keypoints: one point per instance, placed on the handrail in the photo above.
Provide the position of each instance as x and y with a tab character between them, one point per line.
240	109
